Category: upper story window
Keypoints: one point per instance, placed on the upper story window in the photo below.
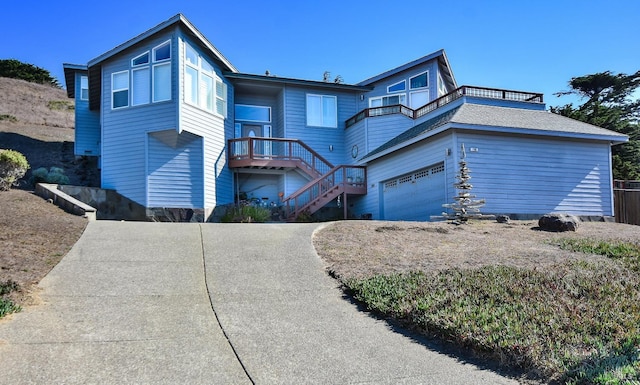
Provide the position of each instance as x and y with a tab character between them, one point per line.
388	100
84	88
202	86
397	87
150	79
322	111
120	89
419	81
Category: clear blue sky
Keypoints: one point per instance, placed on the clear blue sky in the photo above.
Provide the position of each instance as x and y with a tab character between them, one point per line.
521	45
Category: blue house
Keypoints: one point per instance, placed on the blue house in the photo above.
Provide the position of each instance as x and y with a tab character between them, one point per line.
175	125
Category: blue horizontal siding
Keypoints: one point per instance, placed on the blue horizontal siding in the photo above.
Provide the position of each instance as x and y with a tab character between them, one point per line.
525	175
175	173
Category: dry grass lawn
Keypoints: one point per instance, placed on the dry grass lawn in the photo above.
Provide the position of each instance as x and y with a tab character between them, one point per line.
356	249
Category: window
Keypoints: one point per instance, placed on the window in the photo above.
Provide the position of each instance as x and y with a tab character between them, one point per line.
399	86
140	60
140	86
419	81
322	111
150	79
162	52
120	89
84	88
161	82
202	86
253	113
442	88
388	100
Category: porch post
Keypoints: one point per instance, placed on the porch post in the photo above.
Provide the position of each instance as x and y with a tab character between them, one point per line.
344	204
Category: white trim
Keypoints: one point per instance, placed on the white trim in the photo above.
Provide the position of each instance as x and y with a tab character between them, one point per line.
415	76
148	100
114	90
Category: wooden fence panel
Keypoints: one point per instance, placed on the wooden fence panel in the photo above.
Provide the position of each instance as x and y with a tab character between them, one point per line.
627	206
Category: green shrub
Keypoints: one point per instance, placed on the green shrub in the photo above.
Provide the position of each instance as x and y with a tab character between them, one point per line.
6	305
246	214
60	105
54	175
8	118
13	166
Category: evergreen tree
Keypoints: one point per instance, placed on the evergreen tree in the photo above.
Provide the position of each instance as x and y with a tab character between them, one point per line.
609	104
12	68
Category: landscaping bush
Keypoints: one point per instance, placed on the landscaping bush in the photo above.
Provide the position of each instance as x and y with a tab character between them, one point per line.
246	214
54	175
8	118
6	305
13	166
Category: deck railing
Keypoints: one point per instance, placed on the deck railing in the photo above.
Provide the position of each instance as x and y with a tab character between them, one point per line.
250	151
343	178
479	92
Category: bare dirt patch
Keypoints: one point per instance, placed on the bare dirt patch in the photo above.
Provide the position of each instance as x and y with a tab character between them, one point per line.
354	249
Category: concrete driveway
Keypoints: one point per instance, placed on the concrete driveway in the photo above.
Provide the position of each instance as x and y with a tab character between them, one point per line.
157	303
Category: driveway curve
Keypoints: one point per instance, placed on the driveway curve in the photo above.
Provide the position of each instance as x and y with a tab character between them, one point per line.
158	303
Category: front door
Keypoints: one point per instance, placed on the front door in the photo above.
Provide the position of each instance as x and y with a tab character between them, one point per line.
260	147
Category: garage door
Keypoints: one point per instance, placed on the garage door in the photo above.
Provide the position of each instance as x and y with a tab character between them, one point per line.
415	196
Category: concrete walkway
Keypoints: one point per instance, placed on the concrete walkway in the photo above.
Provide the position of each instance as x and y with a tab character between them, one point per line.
153	303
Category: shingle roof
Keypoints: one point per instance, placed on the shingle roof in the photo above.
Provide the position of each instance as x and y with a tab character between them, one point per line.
501	119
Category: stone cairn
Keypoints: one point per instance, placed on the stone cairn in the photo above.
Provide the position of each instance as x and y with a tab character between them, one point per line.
465	206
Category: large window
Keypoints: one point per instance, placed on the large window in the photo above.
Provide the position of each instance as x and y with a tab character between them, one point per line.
150	79
202	86
322	111
250	113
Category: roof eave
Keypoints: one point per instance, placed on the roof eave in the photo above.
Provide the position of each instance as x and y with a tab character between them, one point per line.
404	67
613	139
70	70
303	82
177	19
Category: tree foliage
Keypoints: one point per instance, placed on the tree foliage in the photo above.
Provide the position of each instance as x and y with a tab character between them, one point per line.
12	68
608	103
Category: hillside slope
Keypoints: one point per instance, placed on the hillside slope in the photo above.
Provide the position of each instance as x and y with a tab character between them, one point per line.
38	121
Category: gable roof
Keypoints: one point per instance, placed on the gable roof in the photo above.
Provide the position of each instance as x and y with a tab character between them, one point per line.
440	55
178	19
69	77
95	65
498	119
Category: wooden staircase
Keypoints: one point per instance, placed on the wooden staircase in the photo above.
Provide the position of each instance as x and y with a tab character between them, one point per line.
327	181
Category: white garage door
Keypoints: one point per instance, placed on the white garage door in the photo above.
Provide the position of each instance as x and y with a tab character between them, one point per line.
415	196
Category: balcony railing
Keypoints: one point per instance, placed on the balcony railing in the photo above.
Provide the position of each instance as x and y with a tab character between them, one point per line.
479	92
276	152
317	193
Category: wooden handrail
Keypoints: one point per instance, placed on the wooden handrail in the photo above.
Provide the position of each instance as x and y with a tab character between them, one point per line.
481	92
337	177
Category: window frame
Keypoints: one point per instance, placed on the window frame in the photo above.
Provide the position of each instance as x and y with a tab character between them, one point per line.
84	79
404	88
148	80
114	90
322	114
153	81
156	48
401	95
217	104
417	75
133	65
268	108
